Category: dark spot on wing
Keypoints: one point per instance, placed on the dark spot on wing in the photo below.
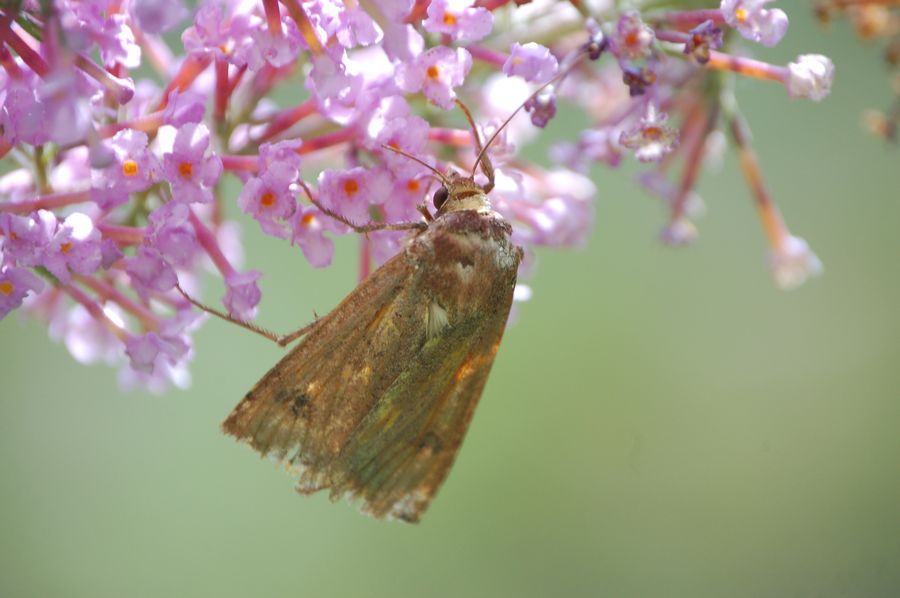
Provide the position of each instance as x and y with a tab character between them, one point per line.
300	404
432	442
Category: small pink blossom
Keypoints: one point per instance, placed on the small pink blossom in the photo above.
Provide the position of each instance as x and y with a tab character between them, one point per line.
75	247
308	226
351	192
633	39
754	22
651	139
810	76
15	285
269	199
531	61
436	73
459	19
242	295
190	170
135	167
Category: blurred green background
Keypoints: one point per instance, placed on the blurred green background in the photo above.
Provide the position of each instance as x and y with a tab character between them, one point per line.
658	423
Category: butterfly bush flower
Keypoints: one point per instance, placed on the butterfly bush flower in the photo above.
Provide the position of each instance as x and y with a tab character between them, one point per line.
754	21
810	76
531	61
128	152
191	171
459	19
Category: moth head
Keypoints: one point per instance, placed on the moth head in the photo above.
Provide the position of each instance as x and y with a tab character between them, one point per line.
459	192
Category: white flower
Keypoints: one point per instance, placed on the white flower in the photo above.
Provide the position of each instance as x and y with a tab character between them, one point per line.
810	76
793	263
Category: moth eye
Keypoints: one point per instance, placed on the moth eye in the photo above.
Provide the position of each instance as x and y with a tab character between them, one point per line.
440	196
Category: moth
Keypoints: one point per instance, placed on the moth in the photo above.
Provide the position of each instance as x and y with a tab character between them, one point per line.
374	401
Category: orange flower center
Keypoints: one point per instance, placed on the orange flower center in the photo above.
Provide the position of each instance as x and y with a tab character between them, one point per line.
741	15
267	200
129	168
412	185
653	133
351	187
13	235
308	219
449	20
66	247
186	170
433	72
6	288
632	38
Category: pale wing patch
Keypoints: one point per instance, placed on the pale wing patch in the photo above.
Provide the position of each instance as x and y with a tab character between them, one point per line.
436	320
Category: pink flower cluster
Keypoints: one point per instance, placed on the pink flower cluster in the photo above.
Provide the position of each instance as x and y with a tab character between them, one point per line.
114	201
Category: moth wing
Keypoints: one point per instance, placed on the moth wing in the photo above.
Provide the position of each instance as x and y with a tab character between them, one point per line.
304	409
403	449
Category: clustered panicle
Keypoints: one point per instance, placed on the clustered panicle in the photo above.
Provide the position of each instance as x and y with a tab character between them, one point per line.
114	199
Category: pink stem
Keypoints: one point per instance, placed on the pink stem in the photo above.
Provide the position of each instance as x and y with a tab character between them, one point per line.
123	235
240	163
208	241
45	202
107	291
487	55
21	47
121	90
691	18
95	310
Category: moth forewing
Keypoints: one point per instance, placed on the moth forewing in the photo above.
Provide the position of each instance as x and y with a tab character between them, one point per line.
375	400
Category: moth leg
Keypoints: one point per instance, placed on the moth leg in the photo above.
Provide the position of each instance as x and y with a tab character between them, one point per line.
280	339
362	228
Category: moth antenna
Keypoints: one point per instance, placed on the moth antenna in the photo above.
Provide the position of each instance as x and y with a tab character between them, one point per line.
557	77
486	167
444	180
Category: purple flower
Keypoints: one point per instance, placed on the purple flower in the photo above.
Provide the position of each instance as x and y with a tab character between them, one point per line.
222	33
26	237
436	72
458	19
90	21
633	39
184	107
157	16
15	285
351	192
701	40
268	49
542	107
242	294
150	272
269	199
66	96
407	133
75	246
188	168
754	22
402	42
309	234
354	27
144	351
283	153
329	79
651	138
24	119
171	233
135	168
532	62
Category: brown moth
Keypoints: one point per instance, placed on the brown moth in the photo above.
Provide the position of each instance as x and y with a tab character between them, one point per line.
374	401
